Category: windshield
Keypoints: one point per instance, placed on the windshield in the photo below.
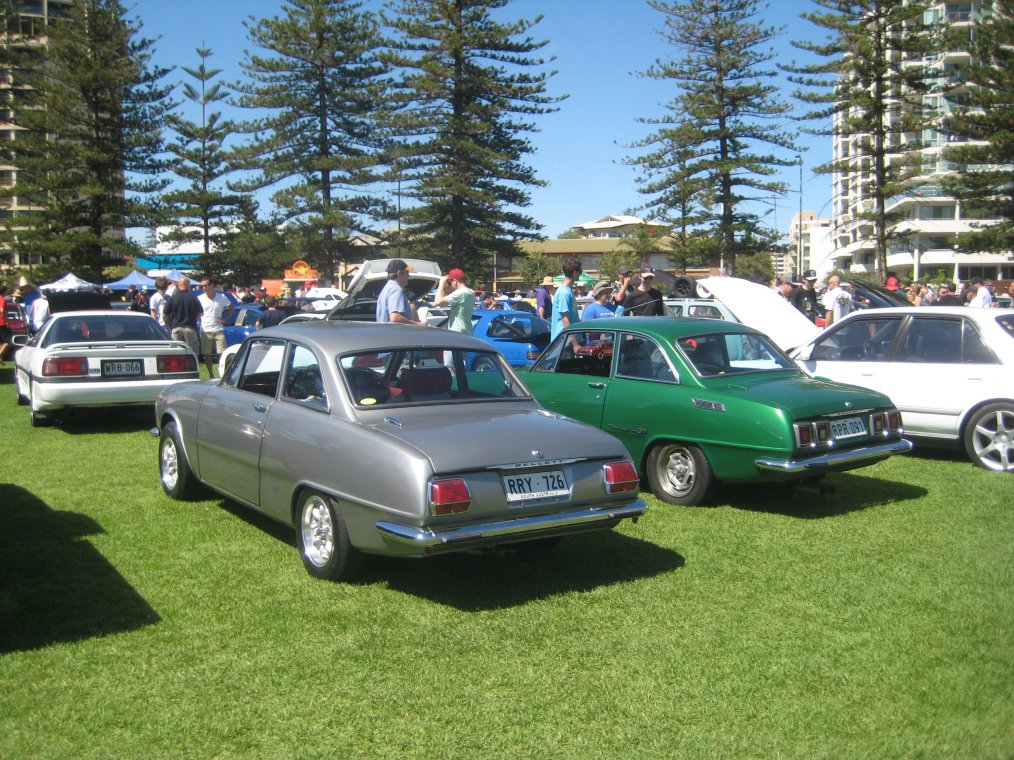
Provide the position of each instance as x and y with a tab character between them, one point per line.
728	353
430	376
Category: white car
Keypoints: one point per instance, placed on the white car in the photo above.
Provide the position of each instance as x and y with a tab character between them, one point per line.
949	370
98	359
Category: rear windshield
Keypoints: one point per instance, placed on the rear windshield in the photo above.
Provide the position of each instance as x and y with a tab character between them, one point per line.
95	328
727	353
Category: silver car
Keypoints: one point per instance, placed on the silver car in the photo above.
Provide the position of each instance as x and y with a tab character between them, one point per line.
376	439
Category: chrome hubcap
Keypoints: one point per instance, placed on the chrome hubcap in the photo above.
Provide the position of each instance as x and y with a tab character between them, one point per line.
679	470
317	531
170	464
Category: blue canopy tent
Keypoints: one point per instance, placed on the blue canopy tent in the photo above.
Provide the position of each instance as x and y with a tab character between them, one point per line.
136	279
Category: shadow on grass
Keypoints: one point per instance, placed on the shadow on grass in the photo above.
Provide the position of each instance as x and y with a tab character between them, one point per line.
851	493
507	577
55	587
107	420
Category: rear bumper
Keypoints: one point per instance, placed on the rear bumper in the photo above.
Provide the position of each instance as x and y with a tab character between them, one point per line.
835	460
429	541
55	395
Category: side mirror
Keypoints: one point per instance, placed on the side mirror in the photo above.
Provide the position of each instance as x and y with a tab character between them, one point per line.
803	353
20	340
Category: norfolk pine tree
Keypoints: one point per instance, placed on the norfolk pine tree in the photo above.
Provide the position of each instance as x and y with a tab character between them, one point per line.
320	86
985	181
723	136
871	92
202	161
89	140
469	89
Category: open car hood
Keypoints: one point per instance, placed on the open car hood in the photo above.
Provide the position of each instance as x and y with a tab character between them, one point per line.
423	276
761	308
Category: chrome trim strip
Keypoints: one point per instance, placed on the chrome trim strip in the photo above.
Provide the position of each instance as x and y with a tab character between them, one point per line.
834	459
483	531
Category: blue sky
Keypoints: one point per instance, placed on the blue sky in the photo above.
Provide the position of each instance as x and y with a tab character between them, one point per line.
599	46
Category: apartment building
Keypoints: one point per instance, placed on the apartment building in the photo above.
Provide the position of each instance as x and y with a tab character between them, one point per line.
24	25
924	240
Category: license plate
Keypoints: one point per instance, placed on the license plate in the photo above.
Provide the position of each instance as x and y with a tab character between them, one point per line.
535	485
129	368
850	427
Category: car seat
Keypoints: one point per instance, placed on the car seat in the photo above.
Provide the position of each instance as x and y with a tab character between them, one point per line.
426	384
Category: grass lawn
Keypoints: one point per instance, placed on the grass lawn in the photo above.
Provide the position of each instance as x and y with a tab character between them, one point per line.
875	621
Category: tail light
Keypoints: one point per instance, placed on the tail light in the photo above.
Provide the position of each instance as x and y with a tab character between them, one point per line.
878	423
620	477
448	497
885	423
806	434
64	367
533	355
176	363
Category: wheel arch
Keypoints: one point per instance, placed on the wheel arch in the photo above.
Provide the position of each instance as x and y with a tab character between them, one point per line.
972	410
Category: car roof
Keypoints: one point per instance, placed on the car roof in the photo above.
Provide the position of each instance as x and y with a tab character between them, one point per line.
665	328
340	337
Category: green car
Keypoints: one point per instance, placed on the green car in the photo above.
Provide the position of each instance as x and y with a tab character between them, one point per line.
704	401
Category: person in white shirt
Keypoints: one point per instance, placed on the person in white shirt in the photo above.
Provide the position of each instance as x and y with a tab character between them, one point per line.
216	310
156	303
837	301
983	298
38	312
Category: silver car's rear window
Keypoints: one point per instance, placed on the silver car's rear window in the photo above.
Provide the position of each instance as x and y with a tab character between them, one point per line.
428	376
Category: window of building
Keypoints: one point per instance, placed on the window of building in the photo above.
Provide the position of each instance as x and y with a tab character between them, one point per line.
936	211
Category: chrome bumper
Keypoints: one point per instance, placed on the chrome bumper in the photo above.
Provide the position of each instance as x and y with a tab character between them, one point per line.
539	525
835	460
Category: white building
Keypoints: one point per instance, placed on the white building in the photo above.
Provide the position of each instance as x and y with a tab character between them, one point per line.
923	242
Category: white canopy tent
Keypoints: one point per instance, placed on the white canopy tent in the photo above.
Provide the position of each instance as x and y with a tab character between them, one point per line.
69	282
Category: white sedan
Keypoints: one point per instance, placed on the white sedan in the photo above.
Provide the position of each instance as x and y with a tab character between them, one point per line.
949	370
98	359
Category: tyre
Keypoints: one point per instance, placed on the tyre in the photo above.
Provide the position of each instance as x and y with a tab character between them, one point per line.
989	437
685	287
323	539
484	364
178	480
679	473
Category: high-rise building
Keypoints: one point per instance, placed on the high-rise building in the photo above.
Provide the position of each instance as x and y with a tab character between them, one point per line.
923	241
24	26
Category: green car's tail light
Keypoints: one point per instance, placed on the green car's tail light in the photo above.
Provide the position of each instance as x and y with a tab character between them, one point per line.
620	477
448	497
64	367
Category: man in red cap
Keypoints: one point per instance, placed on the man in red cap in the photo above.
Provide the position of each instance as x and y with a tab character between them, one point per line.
453	292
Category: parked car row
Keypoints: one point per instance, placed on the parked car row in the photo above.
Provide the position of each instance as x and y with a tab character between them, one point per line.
405	441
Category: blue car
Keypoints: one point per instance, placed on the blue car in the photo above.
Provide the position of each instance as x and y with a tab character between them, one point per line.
241	322
519	335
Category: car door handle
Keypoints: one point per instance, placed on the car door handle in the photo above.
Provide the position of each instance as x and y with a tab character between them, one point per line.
596	385
258	407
